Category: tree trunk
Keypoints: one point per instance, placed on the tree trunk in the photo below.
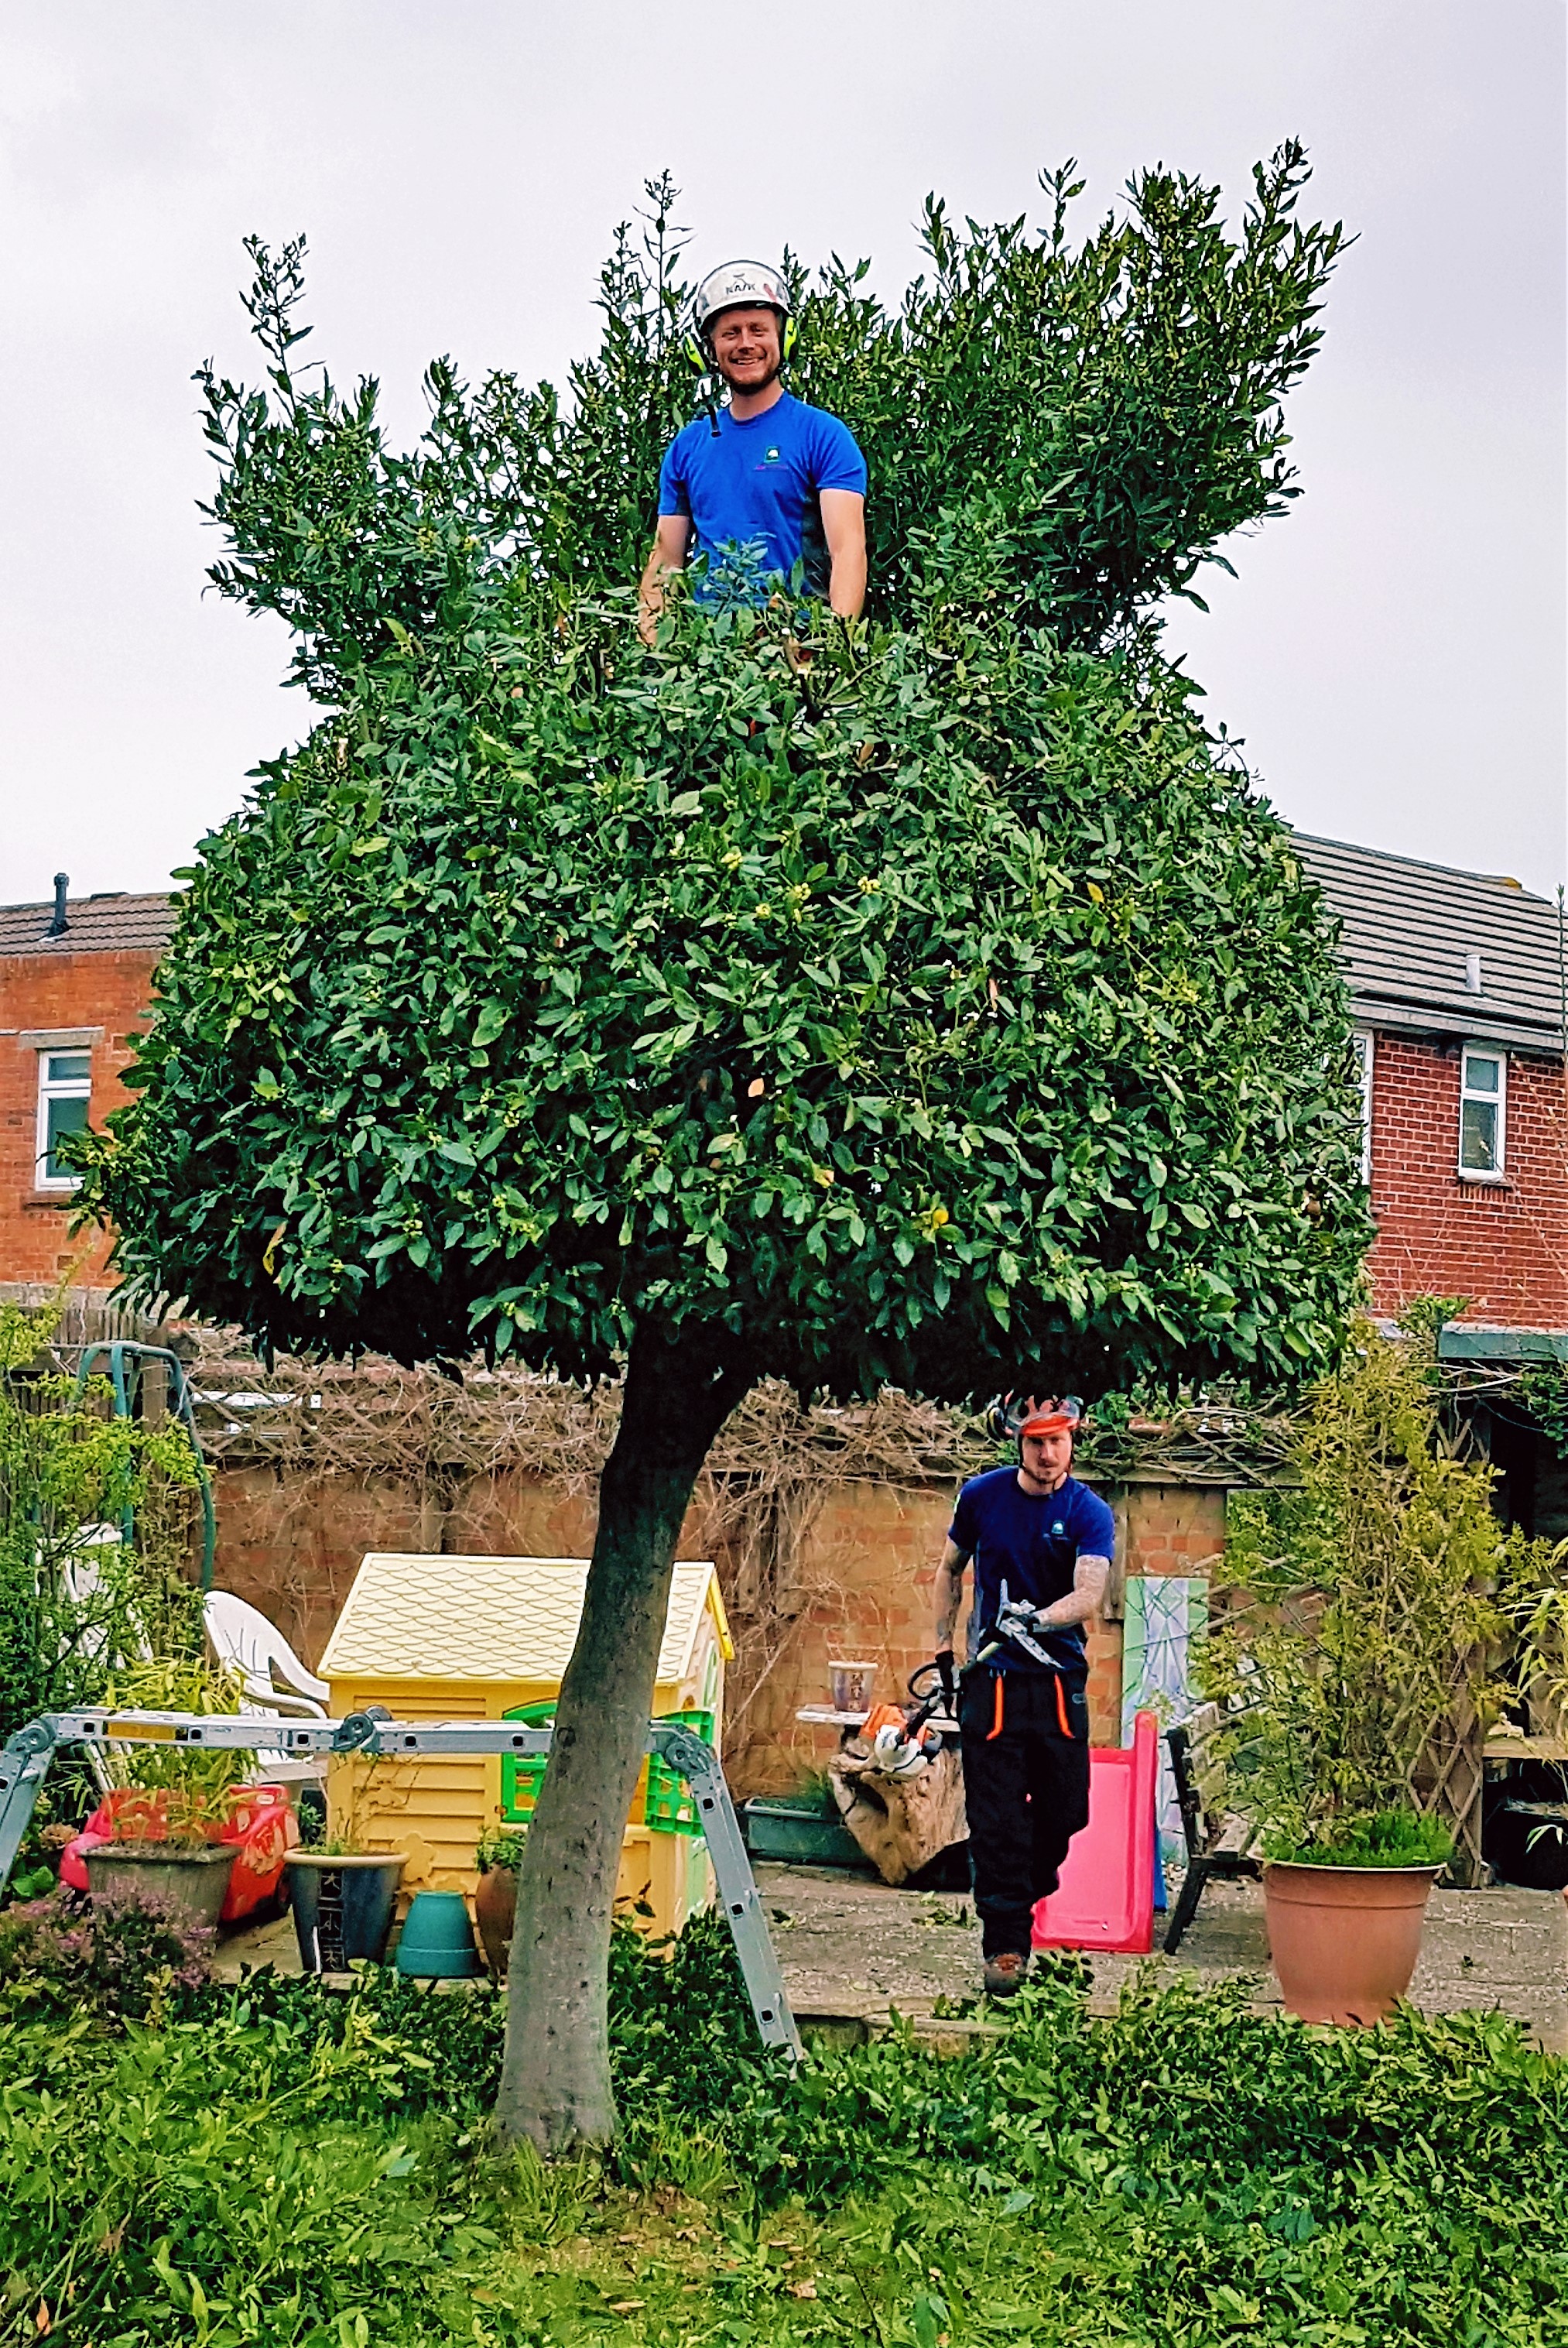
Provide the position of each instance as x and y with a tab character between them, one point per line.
555	2081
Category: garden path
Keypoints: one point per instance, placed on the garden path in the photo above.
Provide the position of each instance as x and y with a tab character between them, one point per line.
851	1946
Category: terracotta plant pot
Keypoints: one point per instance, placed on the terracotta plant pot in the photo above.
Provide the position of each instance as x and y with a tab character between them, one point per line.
1345	1939
495	1908
189	1879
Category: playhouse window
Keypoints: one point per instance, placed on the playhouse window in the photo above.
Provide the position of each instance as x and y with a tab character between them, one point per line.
1483	1111
65	1089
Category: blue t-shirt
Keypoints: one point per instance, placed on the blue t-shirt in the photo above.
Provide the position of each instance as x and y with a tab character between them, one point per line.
1032	1545
756	487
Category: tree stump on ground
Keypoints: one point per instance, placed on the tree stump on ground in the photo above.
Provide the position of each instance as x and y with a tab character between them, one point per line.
901	1823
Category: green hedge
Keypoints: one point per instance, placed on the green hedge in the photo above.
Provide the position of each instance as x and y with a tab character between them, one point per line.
278	2165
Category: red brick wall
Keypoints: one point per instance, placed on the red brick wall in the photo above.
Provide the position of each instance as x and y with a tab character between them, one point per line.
109	990
1504	1244
862	1592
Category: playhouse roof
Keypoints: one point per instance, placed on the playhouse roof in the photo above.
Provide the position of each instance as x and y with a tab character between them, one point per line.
492	1618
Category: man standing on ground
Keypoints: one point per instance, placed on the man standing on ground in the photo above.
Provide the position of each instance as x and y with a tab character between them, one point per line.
765	482
1042	1541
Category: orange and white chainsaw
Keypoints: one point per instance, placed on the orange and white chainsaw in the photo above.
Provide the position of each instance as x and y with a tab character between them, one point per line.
901	1741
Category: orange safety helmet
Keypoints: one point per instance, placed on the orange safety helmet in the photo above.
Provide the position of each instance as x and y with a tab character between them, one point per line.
1022	1415
1047	1417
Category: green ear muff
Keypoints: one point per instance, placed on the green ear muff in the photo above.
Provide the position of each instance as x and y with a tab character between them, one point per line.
789	336
696	354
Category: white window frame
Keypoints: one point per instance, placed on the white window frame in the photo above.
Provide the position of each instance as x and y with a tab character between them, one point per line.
1364	1041
53	1089
1498	1100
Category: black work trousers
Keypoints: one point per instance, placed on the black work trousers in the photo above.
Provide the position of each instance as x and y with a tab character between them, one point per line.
1026	1790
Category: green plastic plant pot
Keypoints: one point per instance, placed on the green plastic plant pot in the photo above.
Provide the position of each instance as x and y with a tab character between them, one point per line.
437	1942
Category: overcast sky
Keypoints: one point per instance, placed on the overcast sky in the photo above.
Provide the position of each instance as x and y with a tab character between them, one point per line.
1392	653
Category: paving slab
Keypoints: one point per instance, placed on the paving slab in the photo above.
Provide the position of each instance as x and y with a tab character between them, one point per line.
853	1948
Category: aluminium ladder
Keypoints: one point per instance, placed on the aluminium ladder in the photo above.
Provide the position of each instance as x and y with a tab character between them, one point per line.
25	1757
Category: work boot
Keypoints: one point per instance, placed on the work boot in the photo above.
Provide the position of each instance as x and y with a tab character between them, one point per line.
1005	1973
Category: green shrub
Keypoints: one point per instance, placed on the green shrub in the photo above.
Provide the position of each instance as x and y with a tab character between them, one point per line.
1388	1839
1362	1623
287	2169
72	1606
498	1847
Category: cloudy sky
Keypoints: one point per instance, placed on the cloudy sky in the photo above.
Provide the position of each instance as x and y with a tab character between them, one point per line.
1392	653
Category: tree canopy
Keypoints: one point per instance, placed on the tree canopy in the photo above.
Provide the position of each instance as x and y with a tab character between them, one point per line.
944	1001
1112	411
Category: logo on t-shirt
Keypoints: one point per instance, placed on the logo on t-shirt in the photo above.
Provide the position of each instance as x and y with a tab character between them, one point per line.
772	457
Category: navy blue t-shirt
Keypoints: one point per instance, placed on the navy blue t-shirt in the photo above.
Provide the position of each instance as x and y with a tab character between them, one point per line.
756	487
1032	1544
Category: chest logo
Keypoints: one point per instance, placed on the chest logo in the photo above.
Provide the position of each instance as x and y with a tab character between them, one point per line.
1059	1528
772	457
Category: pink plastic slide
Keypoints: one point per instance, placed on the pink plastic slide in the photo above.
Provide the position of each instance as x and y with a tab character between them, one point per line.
1106	1896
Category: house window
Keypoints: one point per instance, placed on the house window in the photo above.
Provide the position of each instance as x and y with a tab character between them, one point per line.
1483	1110
1362	1043
65	1087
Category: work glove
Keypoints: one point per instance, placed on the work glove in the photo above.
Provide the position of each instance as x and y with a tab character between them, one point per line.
946	1672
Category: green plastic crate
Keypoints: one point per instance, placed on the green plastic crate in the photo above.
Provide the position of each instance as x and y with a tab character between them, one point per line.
522	1773
668	1806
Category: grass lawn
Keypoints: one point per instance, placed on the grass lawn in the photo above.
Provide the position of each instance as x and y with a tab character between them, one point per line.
276	2165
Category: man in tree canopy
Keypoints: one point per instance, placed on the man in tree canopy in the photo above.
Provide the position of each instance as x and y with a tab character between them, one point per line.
765	483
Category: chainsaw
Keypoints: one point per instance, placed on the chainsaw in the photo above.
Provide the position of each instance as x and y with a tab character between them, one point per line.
901	1741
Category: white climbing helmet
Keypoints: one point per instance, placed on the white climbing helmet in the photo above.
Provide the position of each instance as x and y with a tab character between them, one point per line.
739	284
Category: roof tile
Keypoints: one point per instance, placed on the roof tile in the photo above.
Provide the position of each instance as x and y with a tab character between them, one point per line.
107	924
1410	928
489	1618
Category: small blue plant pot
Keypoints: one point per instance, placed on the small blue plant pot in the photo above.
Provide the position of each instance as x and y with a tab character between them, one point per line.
437	1942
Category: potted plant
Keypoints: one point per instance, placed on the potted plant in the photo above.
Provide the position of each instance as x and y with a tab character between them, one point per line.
344	1897
343	1902
165	1851
1353	1650
170	1803
498	1855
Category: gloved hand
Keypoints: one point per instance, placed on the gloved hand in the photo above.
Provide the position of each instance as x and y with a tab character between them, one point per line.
1020	1615
946	1672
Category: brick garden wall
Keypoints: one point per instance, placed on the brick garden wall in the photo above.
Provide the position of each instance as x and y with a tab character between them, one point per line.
1503	1244
861	1587
43	991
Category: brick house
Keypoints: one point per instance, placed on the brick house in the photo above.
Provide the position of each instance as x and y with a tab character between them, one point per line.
1457	993
75	978
1457	986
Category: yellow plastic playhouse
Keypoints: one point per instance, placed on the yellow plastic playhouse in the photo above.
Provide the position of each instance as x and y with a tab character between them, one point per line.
488	1638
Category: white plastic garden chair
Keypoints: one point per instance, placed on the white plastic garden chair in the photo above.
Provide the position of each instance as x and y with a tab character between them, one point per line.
274	1685
82	1579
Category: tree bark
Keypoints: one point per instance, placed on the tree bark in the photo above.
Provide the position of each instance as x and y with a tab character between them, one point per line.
555	2081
